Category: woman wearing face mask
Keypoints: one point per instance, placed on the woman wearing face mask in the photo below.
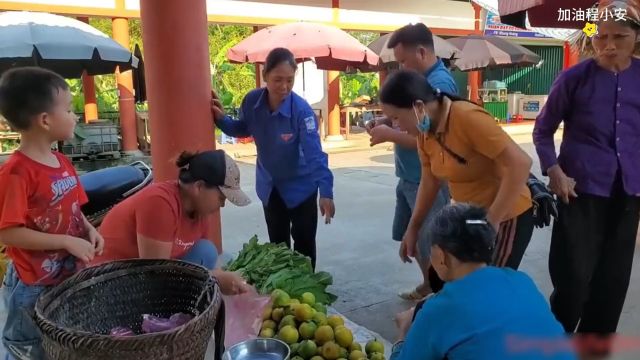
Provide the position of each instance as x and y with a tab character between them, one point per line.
171	220
483	312
291	167
459	142
596	174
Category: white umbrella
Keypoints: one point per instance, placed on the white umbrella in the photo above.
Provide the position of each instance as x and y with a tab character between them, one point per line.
59	43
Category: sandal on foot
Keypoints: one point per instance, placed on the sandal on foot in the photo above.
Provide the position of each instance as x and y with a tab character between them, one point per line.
413	295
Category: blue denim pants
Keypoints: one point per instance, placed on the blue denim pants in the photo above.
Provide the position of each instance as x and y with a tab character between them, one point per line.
406	193
202	253
21	337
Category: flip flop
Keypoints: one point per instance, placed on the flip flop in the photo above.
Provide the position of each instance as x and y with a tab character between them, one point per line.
413	295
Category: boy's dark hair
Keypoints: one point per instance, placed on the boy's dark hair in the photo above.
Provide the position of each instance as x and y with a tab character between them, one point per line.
412	35
26	92
278	56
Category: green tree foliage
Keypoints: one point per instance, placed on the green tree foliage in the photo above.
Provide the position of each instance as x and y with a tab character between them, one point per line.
231	81
354	85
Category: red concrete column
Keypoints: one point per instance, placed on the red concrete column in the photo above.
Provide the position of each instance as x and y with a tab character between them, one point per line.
382	76
333	99
127	103
571	56
258	66
89	91
90	102
333	90
474	76
178	87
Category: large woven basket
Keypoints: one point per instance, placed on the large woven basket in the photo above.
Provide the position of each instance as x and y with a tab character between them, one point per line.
77	316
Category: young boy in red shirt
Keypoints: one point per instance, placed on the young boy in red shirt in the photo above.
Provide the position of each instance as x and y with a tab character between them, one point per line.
46	235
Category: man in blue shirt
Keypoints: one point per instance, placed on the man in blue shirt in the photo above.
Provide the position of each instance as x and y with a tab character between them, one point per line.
413	49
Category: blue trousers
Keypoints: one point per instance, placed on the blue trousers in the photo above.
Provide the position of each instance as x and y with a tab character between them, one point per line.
20	336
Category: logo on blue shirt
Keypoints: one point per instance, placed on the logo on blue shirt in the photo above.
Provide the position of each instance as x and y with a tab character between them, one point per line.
310	123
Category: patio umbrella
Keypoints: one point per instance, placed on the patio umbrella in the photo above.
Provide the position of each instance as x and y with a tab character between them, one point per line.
330	47
479	52
139	84
442	48
544	13
59	43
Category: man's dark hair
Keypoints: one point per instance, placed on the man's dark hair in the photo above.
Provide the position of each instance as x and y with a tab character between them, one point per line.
412	35
26	92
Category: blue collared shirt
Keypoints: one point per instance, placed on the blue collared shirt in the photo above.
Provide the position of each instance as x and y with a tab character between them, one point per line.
408	166
601	140
290	156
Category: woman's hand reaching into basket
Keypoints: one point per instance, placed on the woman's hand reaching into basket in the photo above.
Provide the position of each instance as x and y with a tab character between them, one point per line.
231	283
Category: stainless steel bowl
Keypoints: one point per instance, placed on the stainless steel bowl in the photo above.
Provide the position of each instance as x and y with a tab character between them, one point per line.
258	349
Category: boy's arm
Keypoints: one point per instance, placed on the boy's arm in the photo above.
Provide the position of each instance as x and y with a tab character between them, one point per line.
28	239
94	236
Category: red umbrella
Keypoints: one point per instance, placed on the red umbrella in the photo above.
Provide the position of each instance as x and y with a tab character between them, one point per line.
545	13
332	48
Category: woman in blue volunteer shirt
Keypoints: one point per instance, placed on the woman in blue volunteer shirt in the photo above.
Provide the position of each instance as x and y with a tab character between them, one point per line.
291	167
483	312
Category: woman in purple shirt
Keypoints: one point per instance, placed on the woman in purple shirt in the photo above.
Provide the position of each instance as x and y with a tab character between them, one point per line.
596	176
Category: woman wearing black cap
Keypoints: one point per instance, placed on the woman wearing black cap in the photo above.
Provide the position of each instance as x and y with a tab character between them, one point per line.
172	219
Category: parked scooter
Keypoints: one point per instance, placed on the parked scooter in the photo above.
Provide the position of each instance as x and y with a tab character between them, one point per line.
107	187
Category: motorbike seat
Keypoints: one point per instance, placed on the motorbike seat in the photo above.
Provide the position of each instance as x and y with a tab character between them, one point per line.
105	187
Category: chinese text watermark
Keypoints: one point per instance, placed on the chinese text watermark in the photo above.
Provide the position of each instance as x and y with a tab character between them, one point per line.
591	14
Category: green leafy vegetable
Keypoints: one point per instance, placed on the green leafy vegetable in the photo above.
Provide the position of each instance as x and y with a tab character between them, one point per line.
275	266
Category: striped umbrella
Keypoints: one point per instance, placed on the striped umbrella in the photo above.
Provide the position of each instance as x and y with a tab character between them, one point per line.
480	52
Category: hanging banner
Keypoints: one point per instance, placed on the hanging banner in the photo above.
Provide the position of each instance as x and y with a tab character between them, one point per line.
494	27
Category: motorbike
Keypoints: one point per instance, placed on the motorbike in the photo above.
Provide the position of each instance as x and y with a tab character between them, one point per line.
107	187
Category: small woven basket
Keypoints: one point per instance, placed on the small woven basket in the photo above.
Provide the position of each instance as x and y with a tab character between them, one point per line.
77	316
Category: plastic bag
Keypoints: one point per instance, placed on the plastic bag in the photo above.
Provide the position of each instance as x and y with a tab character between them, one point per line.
153	324
243	314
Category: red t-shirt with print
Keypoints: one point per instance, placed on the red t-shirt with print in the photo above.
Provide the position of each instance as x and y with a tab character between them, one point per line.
44	199
155	212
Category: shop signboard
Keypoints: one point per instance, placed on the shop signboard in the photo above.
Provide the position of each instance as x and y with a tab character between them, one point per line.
494	27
